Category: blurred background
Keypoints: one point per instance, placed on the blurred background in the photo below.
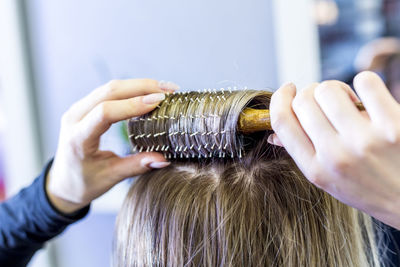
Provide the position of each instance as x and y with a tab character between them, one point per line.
53	53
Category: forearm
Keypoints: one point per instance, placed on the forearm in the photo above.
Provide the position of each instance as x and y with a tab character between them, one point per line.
28	220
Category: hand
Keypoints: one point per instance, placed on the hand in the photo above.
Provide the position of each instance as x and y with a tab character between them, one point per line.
80	171
352	155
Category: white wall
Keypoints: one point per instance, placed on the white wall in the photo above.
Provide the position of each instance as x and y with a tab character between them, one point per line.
78	45
21	151
297	42
21	140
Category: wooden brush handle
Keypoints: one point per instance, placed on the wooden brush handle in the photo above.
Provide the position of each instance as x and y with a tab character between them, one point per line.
254	120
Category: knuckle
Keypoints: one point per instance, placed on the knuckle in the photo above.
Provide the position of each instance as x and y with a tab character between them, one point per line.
338	160
111	87
103	111
392	137
329	84
342	163
368	81
368	146
365	77
323	88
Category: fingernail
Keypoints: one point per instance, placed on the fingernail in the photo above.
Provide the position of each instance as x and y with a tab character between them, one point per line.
270	139
150	163
159	165
153	98
168	86
276	140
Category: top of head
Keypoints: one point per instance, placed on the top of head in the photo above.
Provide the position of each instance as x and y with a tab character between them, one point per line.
255	211
197	125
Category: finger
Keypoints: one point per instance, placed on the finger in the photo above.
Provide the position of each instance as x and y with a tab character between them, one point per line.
117	90
288	129
379	103
99	120
132	165
312	119
336	100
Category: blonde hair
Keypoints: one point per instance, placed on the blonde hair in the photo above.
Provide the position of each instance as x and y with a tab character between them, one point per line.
258	210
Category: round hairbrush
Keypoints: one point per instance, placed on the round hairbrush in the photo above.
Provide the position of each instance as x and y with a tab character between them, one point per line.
205	124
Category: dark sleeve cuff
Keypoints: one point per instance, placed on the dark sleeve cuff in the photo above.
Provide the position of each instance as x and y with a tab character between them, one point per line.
28	220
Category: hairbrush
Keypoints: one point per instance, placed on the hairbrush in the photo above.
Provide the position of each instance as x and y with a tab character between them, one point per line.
203	124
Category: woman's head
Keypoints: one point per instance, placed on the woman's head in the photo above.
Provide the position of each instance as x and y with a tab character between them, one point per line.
257	212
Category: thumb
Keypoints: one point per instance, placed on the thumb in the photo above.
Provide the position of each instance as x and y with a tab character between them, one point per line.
132	165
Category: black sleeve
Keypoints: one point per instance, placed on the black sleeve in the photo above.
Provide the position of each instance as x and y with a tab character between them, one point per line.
27	220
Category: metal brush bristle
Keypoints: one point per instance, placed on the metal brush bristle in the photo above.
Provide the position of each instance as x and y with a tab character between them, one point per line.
188	125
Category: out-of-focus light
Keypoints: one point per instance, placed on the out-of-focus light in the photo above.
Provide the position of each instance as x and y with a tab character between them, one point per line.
373	55
326	12
2	122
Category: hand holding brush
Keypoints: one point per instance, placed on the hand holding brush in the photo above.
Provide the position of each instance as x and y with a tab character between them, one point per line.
352	155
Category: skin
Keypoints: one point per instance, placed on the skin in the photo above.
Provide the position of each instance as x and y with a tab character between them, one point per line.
352	155
81	172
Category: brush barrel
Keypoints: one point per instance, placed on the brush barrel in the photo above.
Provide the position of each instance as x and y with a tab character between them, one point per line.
254	120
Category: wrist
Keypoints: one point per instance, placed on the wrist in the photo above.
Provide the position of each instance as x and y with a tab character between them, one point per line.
63	206
60	204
